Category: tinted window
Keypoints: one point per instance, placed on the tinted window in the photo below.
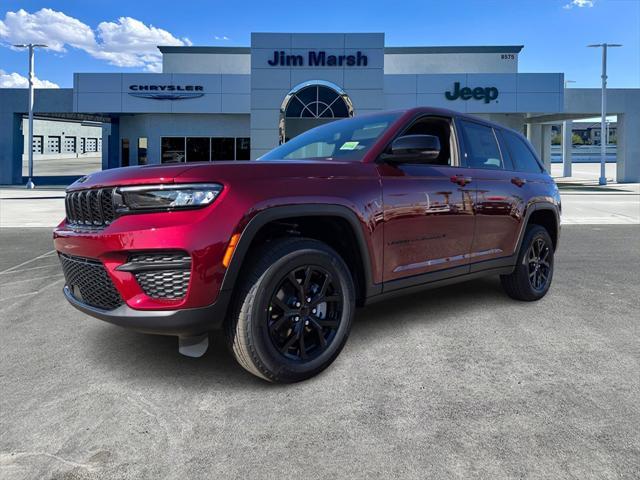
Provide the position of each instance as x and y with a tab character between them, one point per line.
521	155
342	140
481	146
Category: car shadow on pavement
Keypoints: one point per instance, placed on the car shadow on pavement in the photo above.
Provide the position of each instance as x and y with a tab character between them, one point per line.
155	358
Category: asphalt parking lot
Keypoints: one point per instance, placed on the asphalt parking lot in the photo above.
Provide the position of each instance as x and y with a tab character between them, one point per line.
460	382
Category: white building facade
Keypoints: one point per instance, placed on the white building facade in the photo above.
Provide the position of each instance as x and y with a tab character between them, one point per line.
222	103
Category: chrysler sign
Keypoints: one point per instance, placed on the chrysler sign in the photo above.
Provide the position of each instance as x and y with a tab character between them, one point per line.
166	92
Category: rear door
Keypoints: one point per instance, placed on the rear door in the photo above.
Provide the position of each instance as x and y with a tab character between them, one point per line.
501	199
428	209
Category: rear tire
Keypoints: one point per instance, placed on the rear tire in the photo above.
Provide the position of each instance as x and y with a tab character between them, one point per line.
533	273
293	311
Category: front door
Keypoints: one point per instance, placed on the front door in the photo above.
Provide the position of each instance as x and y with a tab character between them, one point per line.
428	210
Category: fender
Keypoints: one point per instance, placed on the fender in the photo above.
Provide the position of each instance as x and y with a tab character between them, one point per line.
536	207
276	213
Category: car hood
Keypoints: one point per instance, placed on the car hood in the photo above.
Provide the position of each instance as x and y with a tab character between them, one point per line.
226	172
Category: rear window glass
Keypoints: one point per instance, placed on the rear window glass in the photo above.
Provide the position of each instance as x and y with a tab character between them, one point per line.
521	155
481	146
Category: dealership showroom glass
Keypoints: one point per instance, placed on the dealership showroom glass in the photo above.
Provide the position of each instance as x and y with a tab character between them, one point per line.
237	103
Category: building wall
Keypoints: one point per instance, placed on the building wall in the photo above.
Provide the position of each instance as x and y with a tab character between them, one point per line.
421	63
79	147
206	63
270	84
155	126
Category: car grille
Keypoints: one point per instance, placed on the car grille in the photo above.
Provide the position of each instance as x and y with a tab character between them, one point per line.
170	280
90	209
89	282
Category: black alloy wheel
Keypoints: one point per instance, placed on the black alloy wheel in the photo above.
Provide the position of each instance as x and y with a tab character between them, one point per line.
293	310
532	275
304	313
538	264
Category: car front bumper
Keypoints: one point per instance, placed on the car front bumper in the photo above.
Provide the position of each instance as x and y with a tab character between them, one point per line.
182	322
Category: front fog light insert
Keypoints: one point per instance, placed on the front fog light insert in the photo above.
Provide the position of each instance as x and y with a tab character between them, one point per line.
166	197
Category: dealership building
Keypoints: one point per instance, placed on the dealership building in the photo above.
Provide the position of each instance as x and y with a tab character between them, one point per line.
237	103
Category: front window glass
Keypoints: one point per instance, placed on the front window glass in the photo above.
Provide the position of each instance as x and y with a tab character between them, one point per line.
342	140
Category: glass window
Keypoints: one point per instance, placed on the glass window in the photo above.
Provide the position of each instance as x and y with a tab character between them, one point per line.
481	146
172	149
243	148
142	151
342	140
124	150
198	149
223	148
521	155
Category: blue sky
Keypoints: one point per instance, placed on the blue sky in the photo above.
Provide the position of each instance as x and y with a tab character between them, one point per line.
99	36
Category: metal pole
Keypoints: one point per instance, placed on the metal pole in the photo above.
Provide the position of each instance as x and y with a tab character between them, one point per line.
30	183
603	120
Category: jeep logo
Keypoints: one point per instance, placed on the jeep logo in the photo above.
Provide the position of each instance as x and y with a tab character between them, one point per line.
479	93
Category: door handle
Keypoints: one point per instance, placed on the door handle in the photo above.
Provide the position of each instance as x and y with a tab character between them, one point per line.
460	180
518	181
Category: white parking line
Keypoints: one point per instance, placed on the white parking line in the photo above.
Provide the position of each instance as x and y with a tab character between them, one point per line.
11	269
29	279
29	293
54	265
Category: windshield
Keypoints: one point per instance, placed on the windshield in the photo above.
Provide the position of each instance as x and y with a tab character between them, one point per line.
341	140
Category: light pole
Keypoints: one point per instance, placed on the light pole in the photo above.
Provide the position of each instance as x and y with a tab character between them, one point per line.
31	47
603	119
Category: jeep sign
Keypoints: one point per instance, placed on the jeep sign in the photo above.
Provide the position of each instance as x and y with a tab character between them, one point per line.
479	93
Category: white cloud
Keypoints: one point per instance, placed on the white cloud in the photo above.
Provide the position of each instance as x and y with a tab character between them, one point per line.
125	43
15	80
579	4
221	37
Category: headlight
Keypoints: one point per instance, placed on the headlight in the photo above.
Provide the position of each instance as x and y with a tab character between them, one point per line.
165	197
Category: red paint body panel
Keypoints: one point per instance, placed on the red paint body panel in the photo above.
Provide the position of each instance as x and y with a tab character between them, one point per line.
414	219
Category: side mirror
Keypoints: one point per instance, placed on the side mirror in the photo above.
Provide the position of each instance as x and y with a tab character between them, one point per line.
414	149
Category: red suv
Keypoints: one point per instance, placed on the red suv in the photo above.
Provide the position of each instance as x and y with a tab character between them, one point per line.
279	251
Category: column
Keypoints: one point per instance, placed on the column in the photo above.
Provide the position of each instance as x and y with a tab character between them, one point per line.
534	135
546	147
567	145
628	151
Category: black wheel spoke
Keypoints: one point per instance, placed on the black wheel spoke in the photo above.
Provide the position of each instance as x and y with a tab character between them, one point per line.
304	312
294	281
327	323
301	345
286	310
320	332
292	339
277	325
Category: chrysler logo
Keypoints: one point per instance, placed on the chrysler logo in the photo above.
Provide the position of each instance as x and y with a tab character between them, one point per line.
166	92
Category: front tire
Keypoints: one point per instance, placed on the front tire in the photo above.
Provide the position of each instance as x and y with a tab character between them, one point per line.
533	273
293	312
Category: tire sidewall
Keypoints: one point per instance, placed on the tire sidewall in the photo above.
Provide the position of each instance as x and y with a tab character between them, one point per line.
258	329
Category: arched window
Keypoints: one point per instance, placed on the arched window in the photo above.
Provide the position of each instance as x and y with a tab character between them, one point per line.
311	104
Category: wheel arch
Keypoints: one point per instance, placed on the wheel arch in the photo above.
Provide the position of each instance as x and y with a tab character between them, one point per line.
255	229
545	214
